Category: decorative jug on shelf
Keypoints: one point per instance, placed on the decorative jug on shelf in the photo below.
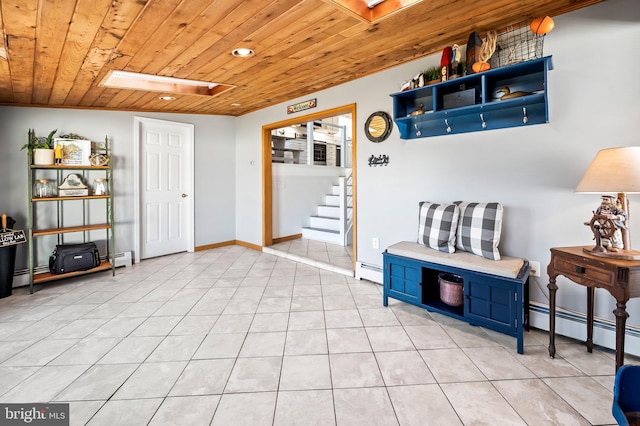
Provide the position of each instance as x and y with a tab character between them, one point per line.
44	188
100	186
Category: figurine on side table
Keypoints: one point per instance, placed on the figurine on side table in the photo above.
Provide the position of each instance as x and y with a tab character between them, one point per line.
610	212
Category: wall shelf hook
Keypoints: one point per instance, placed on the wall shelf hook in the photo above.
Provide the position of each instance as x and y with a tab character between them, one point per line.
418	132
484	123
446	122
525	118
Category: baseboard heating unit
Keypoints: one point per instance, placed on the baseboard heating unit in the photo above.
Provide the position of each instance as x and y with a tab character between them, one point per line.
368	272
574	324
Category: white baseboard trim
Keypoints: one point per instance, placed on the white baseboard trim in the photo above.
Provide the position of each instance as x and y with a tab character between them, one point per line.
574	325
20	280
369	272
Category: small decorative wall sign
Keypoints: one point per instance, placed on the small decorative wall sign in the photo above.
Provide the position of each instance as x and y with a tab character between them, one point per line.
301	106
380	160
11	237
8	236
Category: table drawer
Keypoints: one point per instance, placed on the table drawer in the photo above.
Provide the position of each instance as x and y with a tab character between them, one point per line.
583	272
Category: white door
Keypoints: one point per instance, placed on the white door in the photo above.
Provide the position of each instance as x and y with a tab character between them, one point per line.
165	187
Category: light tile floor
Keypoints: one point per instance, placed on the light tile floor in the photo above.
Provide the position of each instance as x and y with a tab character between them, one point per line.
331	257
232	336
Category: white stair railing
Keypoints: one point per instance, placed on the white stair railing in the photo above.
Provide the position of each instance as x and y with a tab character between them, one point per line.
346	222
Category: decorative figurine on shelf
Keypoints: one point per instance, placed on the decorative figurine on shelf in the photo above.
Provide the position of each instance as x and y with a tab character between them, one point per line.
455	53
456	63
419	111
606	224
445	63
508	94
57	153
415	82
473	51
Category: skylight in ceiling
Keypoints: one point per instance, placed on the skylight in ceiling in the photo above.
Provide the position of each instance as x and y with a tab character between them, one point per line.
373	10
156	83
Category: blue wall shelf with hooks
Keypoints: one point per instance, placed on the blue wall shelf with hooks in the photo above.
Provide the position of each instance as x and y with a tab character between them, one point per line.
474	102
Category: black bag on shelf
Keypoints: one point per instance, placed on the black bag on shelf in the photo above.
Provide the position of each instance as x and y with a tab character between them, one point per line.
74	257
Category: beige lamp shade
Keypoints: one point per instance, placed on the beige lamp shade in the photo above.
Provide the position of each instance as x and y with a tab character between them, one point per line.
613	170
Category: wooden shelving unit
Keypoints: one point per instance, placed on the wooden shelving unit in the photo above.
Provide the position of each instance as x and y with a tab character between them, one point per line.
82	228
88	224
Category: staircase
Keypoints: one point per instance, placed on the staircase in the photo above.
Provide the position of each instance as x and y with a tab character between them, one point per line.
333	223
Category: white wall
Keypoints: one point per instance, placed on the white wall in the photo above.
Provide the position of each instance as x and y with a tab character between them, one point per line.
297	191
532	171
214	166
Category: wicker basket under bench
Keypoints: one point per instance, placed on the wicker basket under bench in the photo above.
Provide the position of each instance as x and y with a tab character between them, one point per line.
496	292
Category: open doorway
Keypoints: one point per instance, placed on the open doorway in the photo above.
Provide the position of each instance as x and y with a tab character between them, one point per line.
299	156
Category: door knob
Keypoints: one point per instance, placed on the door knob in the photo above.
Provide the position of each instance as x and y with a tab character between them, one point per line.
184	195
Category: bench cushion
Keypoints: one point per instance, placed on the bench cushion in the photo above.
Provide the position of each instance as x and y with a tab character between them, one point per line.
508	267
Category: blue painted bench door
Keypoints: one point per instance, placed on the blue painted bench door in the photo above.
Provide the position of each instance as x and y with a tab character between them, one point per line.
492	304
405	280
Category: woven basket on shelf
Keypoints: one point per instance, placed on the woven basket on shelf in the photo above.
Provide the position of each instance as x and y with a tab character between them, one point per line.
516	44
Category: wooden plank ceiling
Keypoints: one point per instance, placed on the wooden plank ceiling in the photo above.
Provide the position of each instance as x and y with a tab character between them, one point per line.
56	52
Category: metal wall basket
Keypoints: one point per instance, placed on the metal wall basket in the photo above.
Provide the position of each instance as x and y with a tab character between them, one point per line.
517	44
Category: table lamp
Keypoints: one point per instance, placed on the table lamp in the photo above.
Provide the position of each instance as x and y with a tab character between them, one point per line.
613	170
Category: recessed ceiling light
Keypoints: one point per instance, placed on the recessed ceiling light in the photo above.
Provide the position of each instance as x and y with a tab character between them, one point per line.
157	83
242	52
235	104
167	98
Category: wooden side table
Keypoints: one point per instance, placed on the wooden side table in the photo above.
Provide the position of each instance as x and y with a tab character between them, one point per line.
619	277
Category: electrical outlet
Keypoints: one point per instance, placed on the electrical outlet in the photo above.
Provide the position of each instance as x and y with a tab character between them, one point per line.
375	243
535	268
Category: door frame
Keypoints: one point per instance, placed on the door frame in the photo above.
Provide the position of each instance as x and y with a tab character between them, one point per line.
267	176
190	215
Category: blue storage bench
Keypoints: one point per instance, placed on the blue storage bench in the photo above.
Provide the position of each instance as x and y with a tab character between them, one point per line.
496	292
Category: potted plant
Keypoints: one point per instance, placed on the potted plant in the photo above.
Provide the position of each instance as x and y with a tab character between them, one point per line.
41	148
432	75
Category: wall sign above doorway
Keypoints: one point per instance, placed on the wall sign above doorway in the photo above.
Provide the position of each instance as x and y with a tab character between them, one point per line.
301	106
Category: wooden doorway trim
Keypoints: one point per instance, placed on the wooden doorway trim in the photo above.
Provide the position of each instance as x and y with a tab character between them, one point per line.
267	194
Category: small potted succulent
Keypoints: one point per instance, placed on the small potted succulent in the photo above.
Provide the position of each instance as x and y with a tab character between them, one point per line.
41	148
